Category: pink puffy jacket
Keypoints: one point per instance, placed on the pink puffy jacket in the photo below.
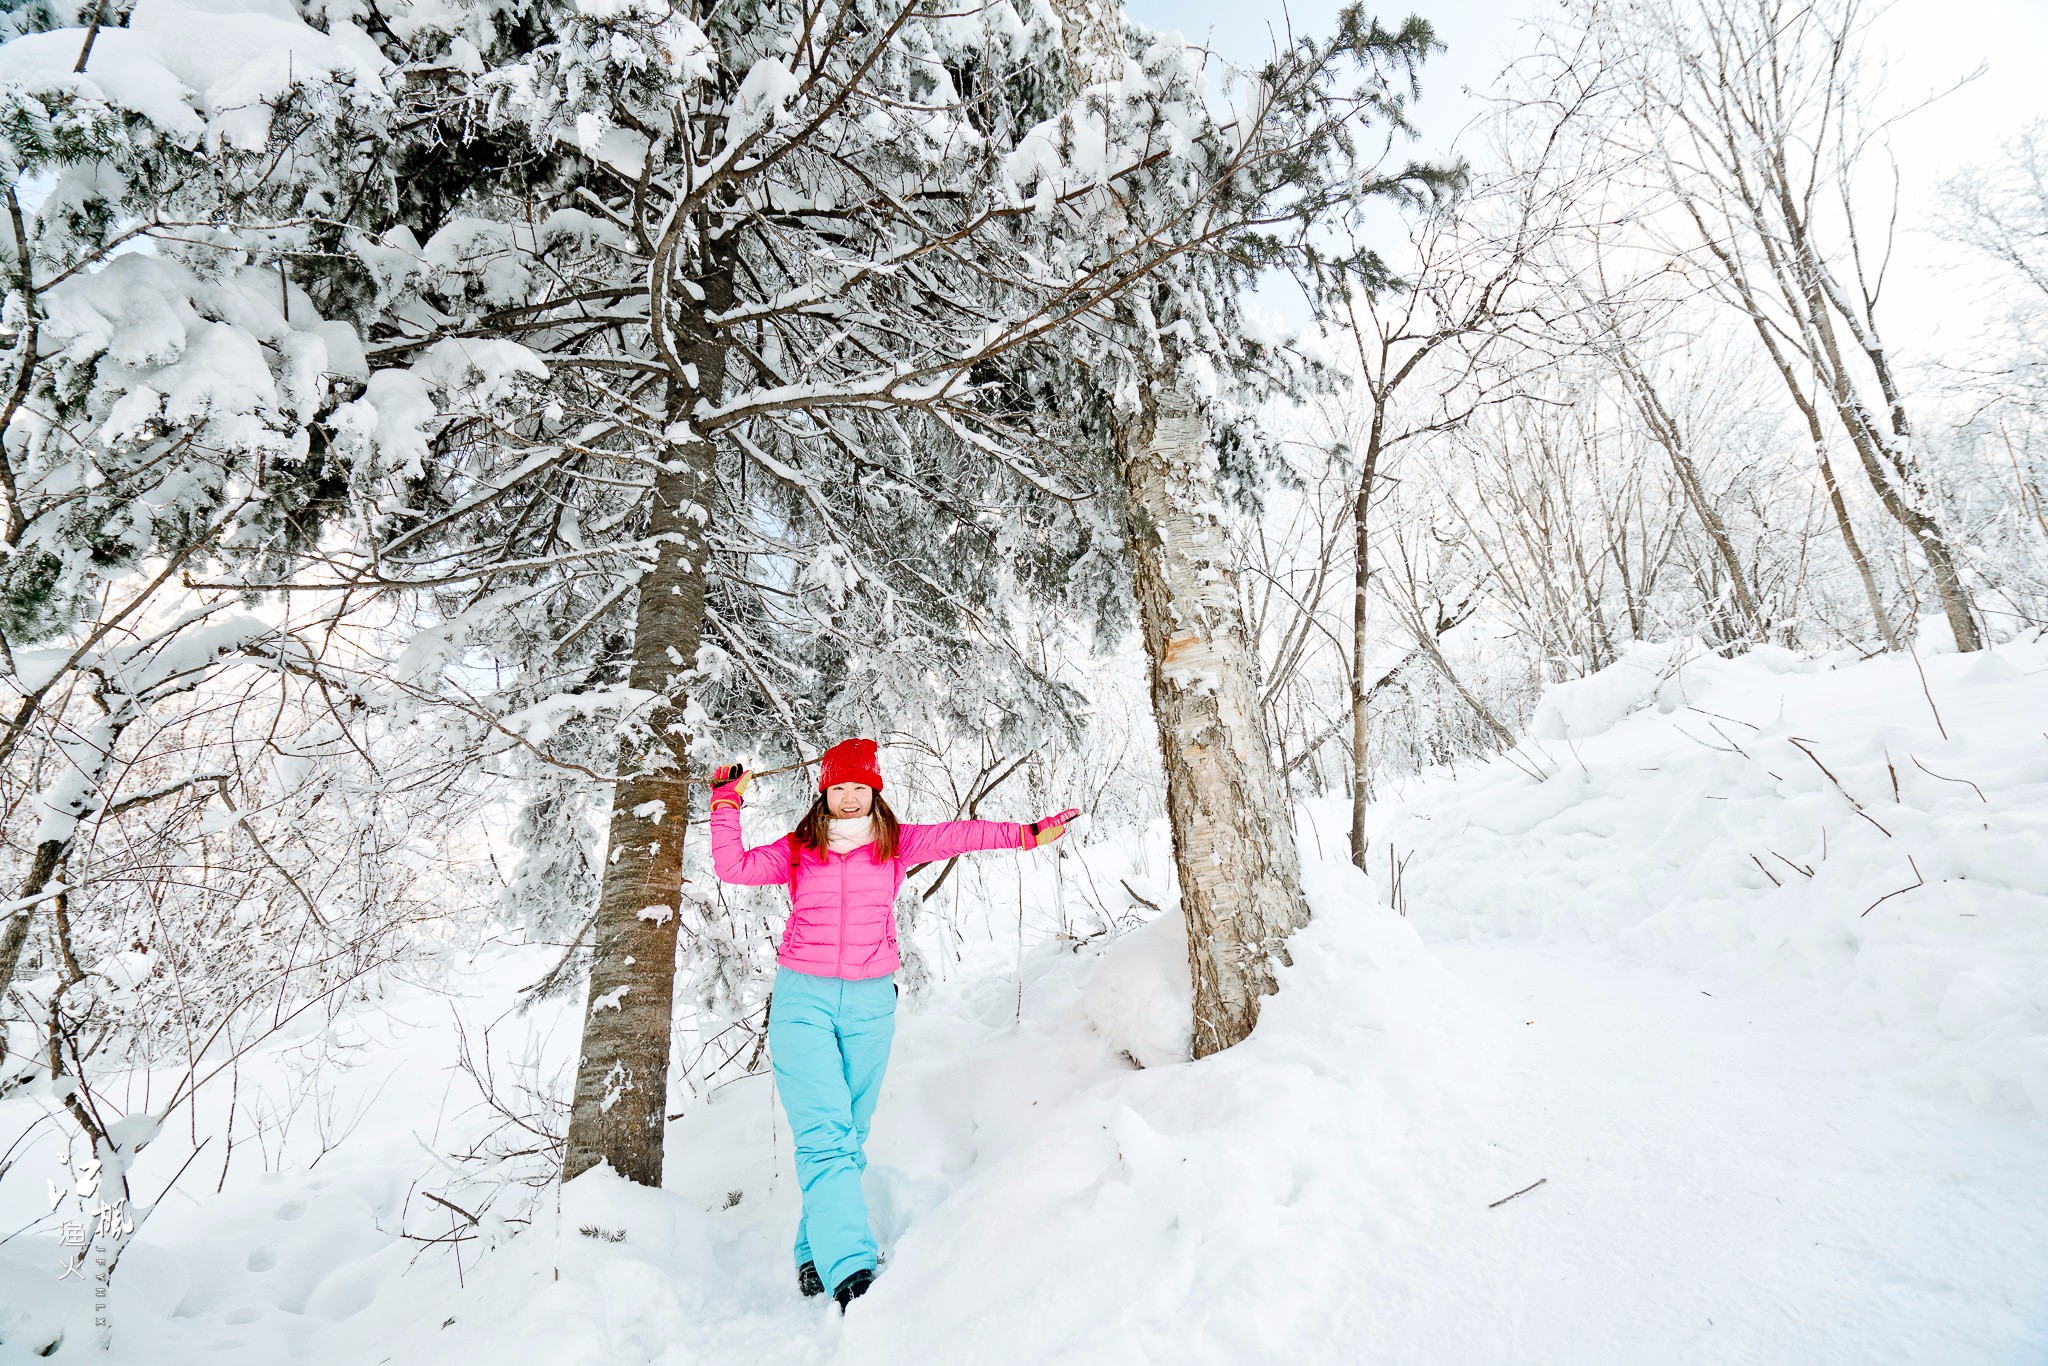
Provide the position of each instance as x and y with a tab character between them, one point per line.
842	907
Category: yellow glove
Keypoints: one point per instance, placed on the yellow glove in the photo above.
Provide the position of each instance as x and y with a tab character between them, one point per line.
1049	829
729	785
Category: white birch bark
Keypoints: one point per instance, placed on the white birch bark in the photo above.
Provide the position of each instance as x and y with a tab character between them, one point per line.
1233	832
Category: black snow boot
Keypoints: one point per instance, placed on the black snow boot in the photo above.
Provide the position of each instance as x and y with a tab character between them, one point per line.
853	1287
808	1280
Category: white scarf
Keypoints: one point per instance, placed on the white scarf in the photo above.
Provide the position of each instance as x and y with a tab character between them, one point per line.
849	832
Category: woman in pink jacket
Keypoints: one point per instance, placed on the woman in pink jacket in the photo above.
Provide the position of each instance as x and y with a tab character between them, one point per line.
834	1003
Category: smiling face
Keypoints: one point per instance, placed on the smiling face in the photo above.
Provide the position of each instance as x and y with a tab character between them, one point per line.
849	799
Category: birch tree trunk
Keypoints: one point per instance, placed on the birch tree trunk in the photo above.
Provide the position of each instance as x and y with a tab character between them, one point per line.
1893	470
1873	598
1361	724
618	1115
1233	833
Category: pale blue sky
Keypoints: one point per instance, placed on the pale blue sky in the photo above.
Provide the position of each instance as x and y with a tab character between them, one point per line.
1946	38
1932	44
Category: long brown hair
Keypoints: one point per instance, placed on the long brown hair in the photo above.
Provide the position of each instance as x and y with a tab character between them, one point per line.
811	831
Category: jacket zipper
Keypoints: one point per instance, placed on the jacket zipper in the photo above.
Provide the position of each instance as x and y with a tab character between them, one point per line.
839	944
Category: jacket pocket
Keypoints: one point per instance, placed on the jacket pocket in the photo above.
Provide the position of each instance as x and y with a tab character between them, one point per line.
802	933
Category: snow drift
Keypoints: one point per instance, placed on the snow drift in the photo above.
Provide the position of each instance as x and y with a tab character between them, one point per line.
1850	829
1056	1182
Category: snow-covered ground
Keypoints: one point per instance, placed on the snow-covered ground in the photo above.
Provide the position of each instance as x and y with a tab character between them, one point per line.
1768	1126
1871	838
1724	1181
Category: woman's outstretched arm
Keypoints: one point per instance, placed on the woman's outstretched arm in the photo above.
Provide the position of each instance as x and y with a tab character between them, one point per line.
923	843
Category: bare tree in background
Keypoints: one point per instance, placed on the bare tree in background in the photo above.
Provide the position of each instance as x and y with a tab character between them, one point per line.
1755	119
1625	333
1423	344
2001	209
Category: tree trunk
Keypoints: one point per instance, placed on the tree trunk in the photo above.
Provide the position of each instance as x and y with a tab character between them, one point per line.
1665	431
89	752
1889	466
1856	556
1813	356
1956	602
1233	835
1361	580
49	854
1909	505
622	1073
619	1112
1809	410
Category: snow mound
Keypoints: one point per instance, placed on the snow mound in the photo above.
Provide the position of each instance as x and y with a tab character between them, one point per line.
1848	832
1141	999
1647	673
1217	1204
621	1272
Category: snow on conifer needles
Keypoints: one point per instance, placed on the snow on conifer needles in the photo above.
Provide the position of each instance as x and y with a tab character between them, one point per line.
530	331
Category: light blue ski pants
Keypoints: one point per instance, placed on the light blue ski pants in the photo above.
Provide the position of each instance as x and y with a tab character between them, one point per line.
828	1040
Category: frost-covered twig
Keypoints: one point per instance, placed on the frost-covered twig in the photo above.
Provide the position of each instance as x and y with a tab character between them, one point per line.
551	981
1925	690
450	1204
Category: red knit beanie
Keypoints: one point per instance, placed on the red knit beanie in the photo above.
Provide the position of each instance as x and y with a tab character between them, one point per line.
850	761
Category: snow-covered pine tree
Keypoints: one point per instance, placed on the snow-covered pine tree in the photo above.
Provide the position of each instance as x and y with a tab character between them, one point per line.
167	375
753	305
781	379
203	834
799	280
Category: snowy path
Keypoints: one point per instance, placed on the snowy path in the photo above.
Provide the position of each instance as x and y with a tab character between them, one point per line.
1725	1182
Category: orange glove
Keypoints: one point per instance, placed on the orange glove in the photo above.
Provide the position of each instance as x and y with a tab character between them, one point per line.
1047	830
